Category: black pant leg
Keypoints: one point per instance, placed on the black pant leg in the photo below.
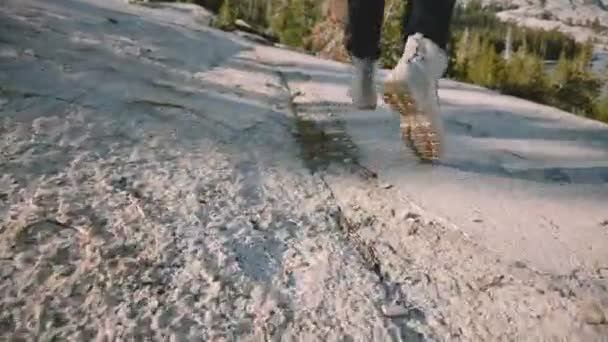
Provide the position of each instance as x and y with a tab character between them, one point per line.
432	18
364	27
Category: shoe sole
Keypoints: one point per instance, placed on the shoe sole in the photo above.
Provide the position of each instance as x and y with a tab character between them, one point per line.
417	130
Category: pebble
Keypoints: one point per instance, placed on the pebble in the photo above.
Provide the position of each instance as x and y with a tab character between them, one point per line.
520	264
394	311
411	217
6	271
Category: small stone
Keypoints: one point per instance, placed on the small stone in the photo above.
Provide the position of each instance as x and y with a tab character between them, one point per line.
6	271
592	314
519	264
411	216
386	186
394	311
195	289
64	270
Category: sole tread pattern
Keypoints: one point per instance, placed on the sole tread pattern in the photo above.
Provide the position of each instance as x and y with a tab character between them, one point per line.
416	128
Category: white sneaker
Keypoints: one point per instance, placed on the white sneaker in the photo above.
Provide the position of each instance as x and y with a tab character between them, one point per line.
411	89
363	86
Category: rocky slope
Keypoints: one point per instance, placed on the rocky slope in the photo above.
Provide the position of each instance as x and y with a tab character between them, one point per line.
575	17
161	180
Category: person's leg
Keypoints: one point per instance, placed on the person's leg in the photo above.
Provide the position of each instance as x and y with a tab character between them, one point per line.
431	18
364	27
362	39
411	87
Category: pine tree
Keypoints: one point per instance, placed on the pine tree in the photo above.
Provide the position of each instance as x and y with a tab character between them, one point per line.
537	83
462	54
600	111
392	40
562	70
583	59
525	76
228	15
576	88
486	67
294	20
